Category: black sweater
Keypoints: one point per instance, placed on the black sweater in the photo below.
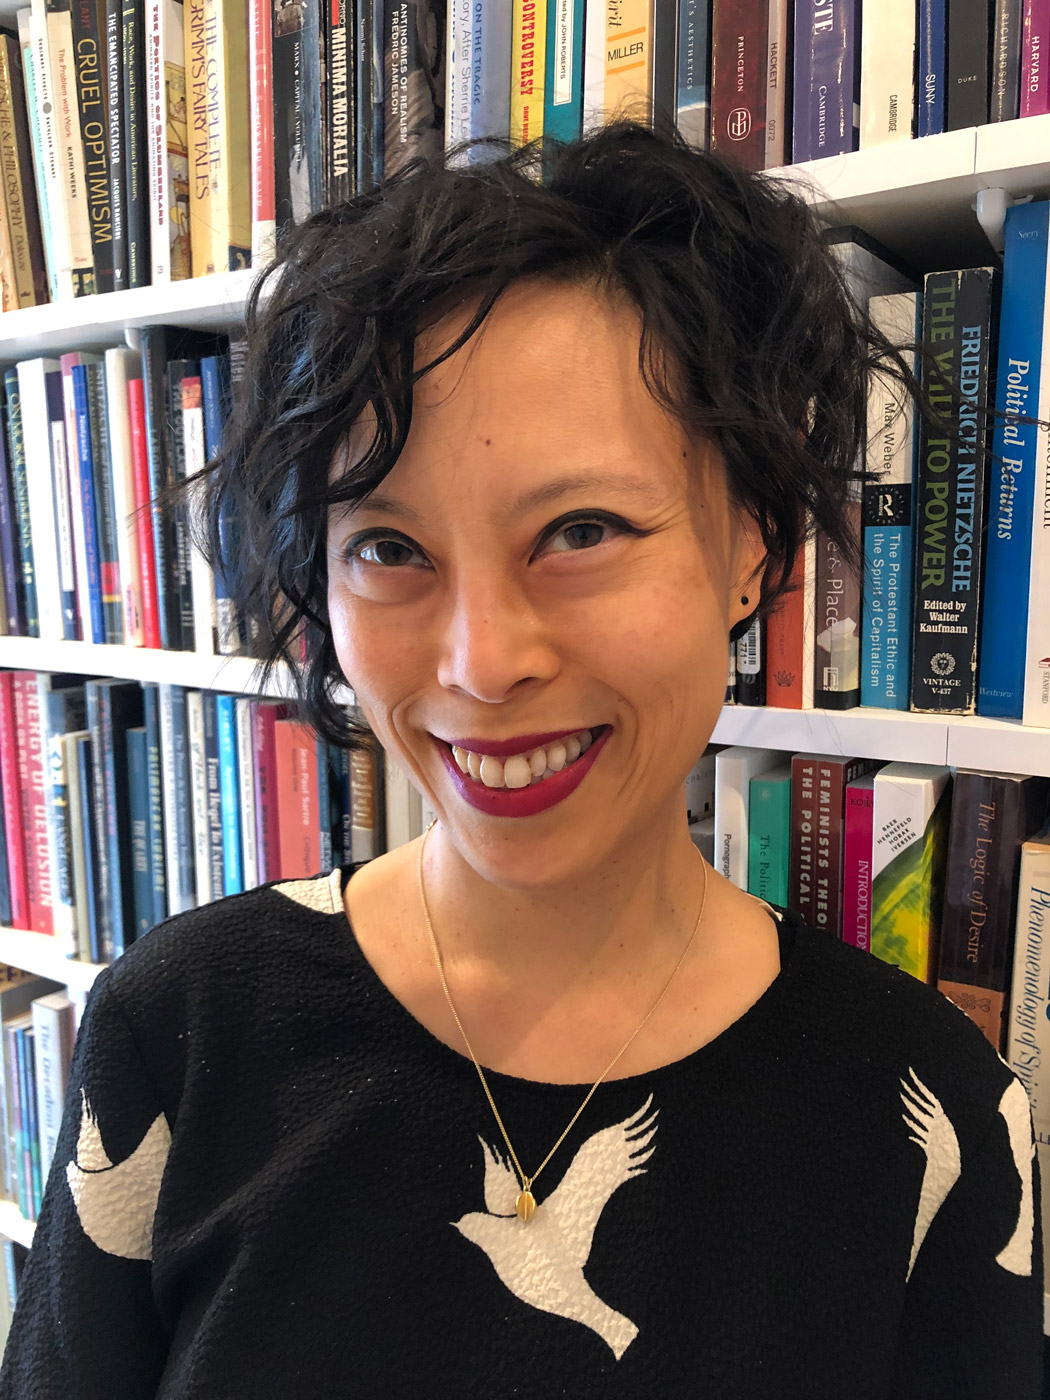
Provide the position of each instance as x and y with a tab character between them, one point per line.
272	1181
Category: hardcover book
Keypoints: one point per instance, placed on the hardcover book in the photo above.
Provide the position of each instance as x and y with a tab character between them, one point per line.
89	20
909	846
113	707
826	78
1035	44
739	53
818	797
136	152
929	117
968	64
168	143
857	843
778	84
16	162
563	70
993	814
694	66
751	665
1005	101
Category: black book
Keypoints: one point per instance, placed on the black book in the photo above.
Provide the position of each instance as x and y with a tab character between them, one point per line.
92	935
968	68
368	89
155	828
115	125
340	113
159	345
959	328
89	21
16	459
413	82
177	371
751	665
1006	60
136	149
298	145
10	547
113	707
665	65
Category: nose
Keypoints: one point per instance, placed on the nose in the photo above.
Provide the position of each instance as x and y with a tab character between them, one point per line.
493	641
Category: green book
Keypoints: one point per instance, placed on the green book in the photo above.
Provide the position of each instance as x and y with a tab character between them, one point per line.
769	827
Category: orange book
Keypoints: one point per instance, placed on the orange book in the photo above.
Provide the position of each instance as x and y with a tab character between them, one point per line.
629	60
785	655
299	830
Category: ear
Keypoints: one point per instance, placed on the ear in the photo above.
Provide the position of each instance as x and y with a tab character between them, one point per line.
746	567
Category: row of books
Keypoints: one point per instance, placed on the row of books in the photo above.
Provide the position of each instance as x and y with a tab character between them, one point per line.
89	441
948	614
294	106
125	803
917	863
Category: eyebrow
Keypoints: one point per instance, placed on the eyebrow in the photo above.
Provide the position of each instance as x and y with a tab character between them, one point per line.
539	495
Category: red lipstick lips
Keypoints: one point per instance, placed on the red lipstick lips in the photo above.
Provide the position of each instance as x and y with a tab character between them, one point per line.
526	801
503	748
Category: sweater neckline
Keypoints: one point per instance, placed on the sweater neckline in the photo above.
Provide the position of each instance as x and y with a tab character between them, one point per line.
724	1047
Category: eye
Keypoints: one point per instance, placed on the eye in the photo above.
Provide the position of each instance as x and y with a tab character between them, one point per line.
387	550
584	532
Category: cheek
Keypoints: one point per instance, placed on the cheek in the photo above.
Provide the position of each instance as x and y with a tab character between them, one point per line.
374	660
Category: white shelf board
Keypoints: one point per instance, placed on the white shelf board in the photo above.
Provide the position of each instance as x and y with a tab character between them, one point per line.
229	673
1015	156
14	1225
208	303
861	732
36	952
998	745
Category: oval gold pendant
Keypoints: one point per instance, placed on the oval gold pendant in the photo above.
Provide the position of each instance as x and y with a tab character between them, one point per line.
525	1205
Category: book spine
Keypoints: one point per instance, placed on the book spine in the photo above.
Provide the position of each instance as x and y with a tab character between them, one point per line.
1035	45
141	874
33	1126
734	769
83	583
178	812
1005	98
70	147
161	477
856	862
23	214
887	83
739	53
95	616
213	796
960	315
167	152
57	716
118	362
364	154
155	809
1008	555
25	1119
493	43
36	142
198	796
298	181
751	665
5	877
13	1078
31	782
191	409
778	84
91	937
731	677
88	20
183	437
215	382
232	866
629	60
832	778
46	114
414	62
836	652
458	84
563	66
108	552
20	485
264	764
1028	1035
230	174
826	73
104	872
53	1044
784	663
909	845
888	515
325	849
527	77
115	137
67	583
929	117
142	515
299	836
1035	710
769	832
78	828
32	380
14	827
136	155
364	841
246	793
260	97
967	68
802	859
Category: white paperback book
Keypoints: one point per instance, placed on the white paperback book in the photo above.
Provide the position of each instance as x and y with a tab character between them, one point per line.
40	487
53	1031
734	769
887	72
246	788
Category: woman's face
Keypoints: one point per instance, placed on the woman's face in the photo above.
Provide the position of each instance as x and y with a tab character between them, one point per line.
550	555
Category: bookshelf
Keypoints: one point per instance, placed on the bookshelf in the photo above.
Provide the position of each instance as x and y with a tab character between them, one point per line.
917	197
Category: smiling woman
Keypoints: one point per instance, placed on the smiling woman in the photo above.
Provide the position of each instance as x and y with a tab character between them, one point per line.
537	1104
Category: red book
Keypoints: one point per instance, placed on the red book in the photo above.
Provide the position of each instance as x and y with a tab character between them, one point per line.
300	838
857	839
143	513
14	829
260	103
739	50
818	800
265	714
33	808
785	659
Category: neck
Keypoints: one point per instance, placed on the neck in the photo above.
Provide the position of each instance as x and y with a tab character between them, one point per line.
613	925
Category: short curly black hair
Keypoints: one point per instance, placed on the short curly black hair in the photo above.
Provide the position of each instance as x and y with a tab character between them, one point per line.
749	336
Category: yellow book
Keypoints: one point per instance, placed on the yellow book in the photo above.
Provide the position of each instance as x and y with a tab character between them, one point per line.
219	156
629	60
528	60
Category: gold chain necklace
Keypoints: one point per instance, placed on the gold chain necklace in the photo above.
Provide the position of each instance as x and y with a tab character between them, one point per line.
525	1205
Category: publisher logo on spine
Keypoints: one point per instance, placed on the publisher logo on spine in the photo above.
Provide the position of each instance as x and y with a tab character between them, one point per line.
738	124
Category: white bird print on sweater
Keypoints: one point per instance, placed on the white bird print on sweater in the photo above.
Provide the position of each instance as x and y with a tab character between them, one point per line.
936	1136
116	1202
542	1261
1016	1109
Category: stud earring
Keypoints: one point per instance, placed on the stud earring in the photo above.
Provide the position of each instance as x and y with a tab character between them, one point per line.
744	600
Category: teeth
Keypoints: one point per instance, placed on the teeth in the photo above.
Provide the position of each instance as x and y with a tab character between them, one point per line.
525	769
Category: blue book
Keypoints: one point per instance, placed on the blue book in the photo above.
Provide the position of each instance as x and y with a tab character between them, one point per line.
563	94
86	774
29	1050
17	455
213	790
95	628
229	790
138	791
888	513
155	826
694	71
25	1173
1008	551
113	707
826	98
932	56
490	100
216	392
178	807
324	804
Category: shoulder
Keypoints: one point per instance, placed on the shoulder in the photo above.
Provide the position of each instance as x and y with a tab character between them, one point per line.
869	1016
